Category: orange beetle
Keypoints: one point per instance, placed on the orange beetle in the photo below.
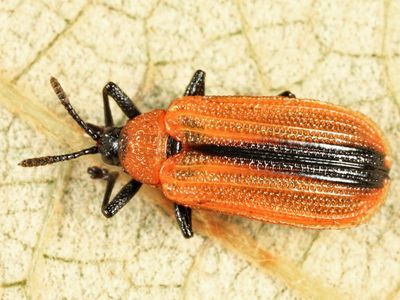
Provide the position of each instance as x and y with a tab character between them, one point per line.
277	159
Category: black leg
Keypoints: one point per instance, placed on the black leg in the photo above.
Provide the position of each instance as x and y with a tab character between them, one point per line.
288	94
196	86
98	129
123	101
109	209
184	218
97	173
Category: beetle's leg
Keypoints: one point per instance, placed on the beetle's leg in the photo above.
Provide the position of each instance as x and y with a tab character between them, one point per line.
288	94
98	129
196	86
97	173
110	208
123	101
184	218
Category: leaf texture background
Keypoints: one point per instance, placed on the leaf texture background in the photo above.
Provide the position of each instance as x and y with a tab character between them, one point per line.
55	244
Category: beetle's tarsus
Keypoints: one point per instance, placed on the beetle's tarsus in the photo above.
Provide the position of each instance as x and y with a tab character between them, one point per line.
97	173
184	218
196	86
287	94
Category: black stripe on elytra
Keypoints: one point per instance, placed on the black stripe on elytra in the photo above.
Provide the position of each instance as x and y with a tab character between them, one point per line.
361	167
173	146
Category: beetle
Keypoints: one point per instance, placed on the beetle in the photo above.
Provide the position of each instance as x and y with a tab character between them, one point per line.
277	159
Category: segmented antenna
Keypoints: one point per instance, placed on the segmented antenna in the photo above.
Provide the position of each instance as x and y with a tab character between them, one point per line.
46	160
64	101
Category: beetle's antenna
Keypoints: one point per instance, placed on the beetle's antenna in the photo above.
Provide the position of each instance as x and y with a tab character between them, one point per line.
65	101
46	160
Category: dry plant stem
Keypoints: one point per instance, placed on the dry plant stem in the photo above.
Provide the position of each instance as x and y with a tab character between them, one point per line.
227	234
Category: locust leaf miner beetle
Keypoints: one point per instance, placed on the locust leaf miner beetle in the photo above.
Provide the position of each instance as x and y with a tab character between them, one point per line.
277	159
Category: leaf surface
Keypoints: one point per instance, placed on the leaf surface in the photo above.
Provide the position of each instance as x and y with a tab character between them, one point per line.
54	241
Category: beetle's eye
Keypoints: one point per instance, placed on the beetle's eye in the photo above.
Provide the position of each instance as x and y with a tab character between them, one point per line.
108	146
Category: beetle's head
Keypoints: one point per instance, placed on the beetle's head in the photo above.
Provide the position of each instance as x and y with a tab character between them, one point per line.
107	139
108	145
